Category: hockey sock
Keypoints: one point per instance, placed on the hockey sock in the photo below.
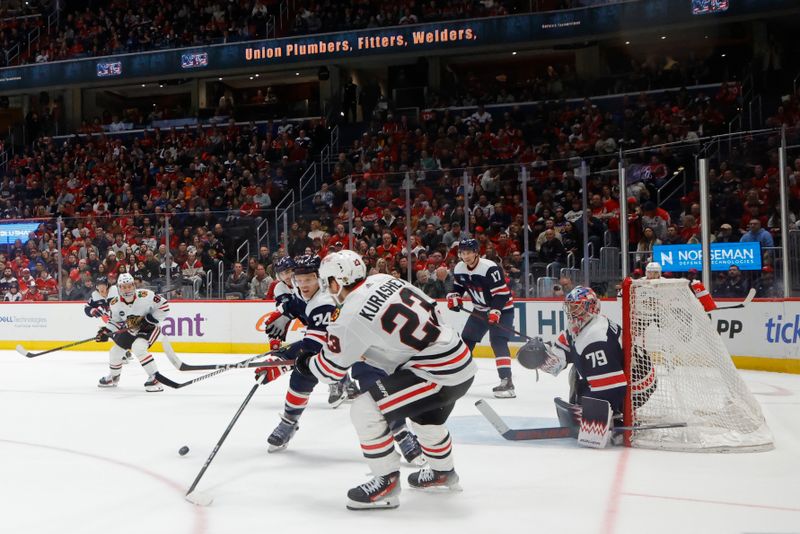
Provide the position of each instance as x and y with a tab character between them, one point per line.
115	360
149	364
377	441
437	445
502	358
295	404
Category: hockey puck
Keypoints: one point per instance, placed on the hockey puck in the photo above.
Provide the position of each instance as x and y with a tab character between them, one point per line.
183	450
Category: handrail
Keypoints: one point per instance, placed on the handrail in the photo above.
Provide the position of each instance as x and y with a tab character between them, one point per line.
245	245
209	283
270	27
334	143
262	232
570	260
736	119
680	171
221	279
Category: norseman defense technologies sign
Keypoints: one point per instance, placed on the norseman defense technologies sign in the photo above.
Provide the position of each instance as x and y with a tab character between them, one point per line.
681	258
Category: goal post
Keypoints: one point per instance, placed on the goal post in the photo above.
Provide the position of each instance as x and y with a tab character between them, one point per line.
679	371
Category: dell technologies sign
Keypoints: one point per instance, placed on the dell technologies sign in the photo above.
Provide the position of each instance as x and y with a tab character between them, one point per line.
680	258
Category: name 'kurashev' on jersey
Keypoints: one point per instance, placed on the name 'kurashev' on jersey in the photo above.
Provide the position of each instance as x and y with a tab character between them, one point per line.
596	353
390	324
485	284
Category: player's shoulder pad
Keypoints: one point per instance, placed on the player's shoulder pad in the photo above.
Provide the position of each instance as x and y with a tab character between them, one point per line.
320	299
597	331
483	267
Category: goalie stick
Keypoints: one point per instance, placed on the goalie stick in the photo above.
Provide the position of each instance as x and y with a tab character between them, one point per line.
747	300
243	364
520	434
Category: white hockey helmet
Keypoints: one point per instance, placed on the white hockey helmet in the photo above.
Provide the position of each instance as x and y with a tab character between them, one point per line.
346	267
126	286
653	270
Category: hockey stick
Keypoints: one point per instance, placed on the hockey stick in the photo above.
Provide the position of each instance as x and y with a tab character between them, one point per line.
180	365
27	354
477	314
243	364
747	300
202	499
519	434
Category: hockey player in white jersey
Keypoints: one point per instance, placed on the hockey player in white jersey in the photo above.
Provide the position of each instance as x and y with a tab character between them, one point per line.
390	324
134	325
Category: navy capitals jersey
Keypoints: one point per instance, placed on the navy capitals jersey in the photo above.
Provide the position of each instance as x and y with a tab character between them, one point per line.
485	284
596	353
315	313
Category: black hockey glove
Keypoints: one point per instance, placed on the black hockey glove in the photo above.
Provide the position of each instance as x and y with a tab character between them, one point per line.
102	335
303	361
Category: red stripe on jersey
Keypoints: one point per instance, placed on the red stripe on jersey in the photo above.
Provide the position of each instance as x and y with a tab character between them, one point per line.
380	445
409	395
607	381
321	362
498	290
461	356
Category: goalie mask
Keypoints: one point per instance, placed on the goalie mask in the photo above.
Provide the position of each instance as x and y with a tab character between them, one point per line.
581	306
126	287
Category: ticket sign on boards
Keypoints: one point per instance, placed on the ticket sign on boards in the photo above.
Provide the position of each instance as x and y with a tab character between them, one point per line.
681	258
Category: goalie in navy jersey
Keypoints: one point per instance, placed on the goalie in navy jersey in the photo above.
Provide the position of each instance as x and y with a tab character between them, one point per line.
592	344
483	280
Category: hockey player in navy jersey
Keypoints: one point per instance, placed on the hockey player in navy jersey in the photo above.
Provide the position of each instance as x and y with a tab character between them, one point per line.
97	305
592	344
483	280
314	309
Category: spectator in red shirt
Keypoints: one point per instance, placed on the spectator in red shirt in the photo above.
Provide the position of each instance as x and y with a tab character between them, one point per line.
33	294
387	249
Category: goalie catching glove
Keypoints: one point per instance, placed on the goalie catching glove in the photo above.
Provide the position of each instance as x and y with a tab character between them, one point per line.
536	354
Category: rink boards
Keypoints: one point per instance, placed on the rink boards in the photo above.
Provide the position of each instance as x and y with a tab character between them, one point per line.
762	336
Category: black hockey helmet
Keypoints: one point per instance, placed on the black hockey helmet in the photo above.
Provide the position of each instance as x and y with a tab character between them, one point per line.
469	244
285	263
306	264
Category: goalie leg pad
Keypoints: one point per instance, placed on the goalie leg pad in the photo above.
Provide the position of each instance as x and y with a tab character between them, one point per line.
377	441
595	430
567	415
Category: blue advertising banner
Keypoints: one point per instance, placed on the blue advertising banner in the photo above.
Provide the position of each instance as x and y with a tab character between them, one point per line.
414	40
10	232
681	258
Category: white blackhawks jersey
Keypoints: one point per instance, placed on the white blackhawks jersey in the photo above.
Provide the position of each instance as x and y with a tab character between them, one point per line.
390	324
153	308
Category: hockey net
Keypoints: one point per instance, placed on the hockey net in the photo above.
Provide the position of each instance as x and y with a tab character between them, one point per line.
680	372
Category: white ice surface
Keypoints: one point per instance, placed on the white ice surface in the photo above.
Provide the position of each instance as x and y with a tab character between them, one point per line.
75	458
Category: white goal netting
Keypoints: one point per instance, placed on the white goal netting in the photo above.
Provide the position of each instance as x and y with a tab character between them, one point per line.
681	372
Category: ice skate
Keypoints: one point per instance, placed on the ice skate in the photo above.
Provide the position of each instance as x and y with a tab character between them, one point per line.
337	394
108	381
427	478
280	437
410	449
505	390
152	385
380	492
